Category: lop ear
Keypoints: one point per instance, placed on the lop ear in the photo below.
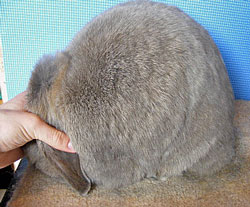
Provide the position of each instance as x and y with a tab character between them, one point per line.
46	80
46	72
68	166
62	60
55	96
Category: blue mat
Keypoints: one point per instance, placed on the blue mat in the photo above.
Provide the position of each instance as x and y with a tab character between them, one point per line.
31	28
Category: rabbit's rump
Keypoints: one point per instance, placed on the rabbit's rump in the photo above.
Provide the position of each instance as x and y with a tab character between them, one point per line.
142	91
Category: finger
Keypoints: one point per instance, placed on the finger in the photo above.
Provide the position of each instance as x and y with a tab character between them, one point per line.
53	137
17	103
7	158
15	128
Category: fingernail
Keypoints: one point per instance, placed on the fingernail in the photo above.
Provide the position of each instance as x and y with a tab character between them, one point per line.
70	146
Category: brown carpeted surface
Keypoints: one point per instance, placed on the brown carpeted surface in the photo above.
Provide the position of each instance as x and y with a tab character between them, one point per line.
230	187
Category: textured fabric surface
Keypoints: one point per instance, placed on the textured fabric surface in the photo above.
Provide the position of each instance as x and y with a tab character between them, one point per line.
230	187
31	28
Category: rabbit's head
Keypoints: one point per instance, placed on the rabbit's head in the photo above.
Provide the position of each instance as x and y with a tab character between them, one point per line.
42	97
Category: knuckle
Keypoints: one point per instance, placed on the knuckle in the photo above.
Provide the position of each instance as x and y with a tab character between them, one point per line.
34	120
35	125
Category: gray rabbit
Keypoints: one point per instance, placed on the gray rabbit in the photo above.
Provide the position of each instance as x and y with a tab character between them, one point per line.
142	92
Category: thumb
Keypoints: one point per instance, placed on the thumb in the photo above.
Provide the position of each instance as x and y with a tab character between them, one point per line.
53	137
6	158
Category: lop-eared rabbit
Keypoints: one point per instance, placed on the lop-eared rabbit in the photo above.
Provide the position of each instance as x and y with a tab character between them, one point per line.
142	92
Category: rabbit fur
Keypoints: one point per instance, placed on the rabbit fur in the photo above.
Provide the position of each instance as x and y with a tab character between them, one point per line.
142	92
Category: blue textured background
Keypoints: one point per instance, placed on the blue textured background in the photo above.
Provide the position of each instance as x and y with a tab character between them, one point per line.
31	28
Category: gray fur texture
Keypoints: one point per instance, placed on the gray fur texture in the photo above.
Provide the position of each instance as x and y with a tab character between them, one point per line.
142	91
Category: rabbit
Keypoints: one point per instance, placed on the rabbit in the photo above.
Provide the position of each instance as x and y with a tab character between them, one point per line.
142	92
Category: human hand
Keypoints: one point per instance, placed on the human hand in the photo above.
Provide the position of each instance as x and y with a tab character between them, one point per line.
17	127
